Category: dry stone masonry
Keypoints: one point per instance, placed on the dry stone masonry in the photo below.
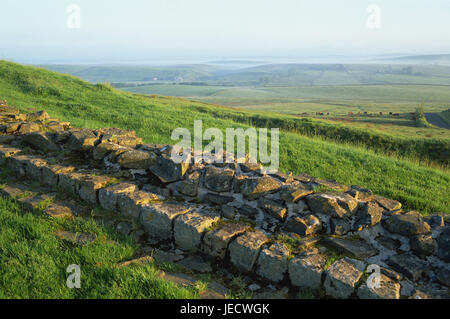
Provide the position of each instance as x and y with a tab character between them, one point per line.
281	231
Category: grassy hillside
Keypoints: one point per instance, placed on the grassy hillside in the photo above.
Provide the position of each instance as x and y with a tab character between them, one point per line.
135	73
445	115
416	185
33	261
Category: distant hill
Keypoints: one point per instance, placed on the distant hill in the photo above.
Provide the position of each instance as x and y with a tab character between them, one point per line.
442	59
135	73
265	75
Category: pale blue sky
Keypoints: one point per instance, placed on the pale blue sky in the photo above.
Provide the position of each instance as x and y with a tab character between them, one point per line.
138	30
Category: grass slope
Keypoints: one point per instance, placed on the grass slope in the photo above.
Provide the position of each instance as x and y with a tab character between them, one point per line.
33	261
417	186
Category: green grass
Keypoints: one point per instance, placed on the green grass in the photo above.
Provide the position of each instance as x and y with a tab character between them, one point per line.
302	149
33	260
337	101
445	115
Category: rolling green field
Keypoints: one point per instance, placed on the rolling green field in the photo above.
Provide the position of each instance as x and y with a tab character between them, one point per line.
266	75
417	184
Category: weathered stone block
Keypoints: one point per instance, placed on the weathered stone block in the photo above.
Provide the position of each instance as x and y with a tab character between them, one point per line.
216	199
336	205
137	159
26	128
103	149
218	180
41	141
407	224
360	193
388	204
409	265
332	184
130	203
189	229
305	226
245	249
50	173
273	208
422	245
357	248
238	182
368	215
33	168
108	196
340	226
444	245
168	170
17	164
341	279
157	219
189	186
293	193
82	140
89	186
215	242
306	271
389	289
255	187
272	262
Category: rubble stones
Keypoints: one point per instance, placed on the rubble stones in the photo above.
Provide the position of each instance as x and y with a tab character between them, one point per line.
388	204
168	170
389	289
335	205
189	229
272	262
444	245
82	140
256	187
357	248
422	245
219	180
273	208
407	224
130	203
216	241
409	265
108	196
303	226
41	141
189	186
157	218
244	250
306	271
341	279
136	159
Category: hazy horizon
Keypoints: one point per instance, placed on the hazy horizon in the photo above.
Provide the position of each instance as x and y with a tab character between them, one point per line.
146	32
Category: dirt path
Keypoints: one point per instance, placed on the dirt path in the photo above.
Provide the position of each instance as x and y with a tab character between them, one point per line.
435	119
